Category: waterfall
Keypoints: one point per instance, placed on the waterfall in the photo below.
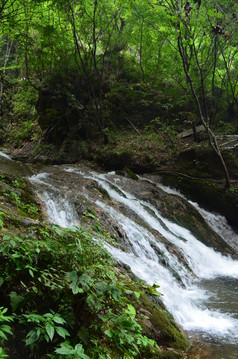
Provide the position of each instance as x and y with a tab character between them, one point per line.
150	237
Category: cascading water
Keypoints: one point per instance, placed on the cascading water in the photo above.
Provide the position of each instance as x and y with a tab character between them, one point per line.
188	288
60	212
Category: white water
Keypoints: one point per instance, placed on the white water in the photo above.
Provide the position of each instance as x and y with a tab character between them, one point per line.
143	243
60	211
198	255
183	301
4	155
184	298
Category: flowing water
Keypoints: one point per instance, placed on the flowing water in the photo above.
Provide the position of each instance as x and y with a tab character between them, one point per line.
199	285
4	155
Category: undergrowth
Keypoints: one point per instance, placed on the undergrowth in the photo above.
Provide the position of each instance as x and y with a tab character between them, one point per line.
62	297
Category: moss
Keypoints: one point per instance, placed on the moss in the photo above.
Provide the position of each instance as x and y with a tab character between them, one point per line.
157	323
166	330
161	354
104	192
18	201
190	218
112	159
130	173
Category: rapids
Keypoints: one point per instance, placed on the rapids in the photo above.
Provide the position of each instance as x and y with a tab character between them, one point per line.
198	284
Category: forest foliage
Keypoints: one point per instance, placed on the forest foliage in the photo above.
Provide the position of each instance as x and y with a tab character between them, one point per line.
74	45
79	69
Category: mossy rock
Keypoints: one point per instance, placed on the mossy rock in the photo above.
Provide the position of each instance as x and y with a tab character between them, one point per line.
157	323
165	330
130	173
161	353
18	202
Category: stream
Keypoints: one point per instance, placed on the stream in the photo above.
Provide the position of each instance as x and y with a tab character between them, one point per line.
198	284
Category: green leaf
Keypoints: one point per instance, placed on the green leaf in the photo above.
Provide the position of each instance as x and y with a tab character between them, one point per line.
13	243
3	310
79	350
131	311
34	318
85	280
32	337
108	333
73	277
31	273
91	215
65	349
2	335
16	300
6	329
58	319
49	316
50	330
3	353
116	293
62	332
